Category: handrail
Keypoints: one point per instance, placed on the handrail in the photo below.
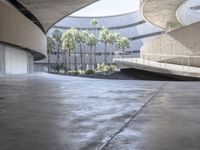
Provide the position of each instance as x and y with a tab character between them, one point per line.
164	64
167	55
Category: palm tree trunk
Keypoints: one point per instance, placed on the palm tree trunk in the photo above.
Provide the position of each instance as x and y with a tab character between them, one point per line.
48	62
69	60
95	50
81	53
105	54
65	57
58	55
90	57
75	60
95	57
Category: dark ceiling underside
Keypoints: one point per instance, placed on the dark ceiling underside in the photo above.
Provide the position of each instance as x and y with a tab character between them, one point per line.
45	13
27	13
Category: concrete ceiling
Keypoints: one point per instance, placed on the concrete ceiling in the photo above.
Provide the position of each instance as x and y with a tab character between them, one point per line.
161	12
48	12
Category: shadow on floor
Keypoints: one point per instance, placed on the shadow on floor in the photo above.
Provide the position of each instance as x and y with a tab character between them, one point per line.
146	75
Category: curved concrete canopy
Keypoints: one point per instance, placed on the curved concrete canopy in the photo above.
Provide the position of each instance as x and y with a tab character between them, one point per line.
48	12
17	30
161	13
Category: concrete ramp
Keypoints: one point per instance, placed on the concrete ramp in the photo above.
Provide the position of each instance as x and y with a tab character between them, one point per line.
158	67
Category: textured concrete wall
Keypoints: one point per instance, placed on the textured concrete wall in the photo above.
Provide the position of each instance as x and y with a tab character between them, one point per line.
186	14
183	41
17	30
161	13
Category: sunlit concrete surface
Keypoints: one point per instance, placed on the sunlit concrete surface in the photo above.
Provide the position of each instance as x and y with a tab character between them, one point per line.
52	112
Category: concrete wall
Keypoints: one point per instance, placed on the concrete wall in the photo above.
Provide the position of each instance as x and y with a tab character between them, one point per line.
186	14
17	30
183	41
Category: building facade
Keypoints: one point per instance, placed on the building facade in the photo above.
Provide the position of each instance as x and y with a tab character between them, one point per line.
131	25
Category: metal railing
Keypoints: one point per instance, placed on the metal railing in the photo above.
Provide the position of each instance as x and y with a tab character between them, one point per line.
184	63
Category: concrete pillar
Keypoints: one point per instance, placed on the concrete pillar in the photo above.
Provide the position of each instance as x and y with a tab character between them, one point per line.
2	59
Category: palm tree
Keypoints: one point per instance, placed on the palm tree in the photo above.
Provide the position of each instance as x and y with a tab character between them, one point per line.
68	44
112	39
117	38
81	38
94	23
76	36
80	41
91	41
103	36
84	38
57	37
50	47
123	43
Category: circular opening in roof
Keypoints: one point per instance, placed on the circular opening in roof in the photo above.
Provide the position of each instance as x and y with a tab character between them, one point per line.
105	8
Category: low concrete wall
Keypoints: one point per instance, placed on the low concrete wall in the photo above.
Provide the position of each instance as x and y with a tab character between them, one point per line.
183	41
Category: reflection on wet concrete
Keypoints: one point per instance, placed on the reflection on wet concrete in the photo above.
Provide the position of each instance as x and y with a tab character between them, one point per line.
52	112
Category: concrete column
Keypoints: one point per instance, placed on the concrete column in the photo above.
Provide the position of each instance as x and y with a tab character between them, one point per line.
2	59
30	62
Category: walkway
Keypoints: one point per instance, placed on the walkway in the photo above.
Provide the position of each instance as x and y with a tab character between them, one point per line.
158	67
52	112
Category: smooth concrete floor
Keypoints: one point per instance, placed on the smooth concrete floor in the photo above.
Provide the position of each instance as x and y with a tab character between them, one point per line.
52	112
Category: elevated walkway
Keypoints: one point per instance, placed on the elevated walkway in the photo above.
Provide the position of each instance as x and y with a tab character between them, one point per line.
163	68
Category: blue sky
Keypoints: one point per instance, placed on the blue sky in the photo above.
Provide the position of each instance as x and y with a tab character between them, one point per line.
108	7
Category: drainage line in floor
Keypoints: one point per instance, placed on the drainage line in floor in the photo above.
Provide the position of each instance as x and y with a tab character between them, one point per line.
103	147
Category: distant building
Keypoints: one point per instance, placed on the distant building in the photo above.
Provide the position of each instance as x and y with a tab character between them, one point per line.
131	25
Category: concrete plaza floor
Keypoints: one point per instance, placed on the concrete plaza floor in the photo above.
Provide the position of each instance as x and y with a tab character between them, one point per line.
53	112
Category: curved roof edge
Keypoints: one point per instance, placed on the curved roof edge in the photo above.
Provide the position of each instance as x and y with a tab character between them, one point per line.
161	13
70	14
106	16
43	12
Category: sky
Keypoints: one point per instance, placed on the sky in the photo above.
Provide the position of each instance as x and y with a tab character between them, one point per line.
108	8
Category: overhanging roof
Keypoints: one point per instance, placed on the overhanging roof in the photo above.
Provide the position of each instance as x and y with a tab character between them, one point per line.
161	12
49	12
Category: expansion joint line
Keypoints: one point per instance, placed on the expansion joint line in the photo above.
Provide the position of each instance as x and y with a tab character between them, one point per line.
104	146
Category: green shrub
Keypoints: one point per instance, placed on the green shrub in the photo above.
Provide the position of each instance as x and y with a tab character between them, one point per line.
73	72
106	68
100	67
81	72
111	69
88	72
